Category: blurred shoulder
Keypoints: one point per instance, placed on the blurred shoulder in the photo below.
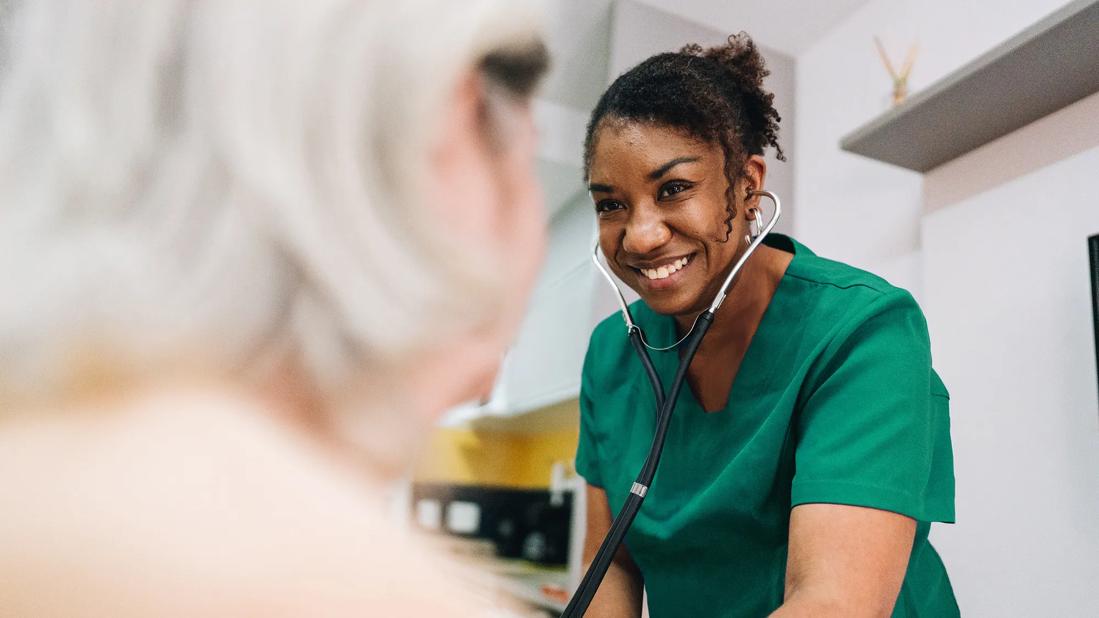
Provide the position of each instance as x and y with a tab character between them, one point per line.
199	504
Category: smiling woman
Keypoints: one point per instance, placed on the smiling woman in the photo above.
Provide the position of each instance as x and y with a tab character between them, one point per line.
672	181
803	467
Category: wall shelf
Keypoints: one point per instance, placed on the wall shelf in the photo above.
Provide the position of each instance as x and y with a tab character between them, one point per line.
1048	66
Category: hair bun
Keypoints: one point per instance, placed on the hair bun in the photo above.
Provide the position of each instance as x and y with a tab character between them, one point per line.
739	55
715	94
746	68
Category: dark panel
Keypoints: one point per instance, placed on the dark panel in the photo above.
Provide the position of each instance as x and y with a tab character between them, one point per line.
521	523
1093	252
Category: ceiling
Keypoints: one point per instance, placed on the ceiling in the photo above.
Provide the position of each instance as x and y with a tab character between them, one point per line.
787	26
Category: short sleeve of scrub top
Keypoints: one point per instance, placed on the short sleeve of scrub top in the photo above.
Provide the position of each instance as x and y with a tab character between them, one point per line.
868	433
587	451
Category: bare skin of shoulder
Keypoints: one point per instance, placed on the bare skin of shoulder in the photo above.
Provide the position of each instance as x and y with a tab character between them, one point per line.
185	504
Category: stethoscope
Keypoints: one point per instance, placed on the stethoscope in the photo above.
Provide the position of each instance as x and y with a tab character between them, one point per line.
665	404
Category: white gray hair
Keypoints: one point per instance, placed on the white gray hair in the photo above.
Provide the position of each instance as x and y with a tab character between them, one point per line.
232	178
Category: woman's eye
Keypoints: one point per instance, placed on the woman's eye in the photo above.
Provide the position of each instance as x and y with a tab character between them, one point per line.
673	188
606	206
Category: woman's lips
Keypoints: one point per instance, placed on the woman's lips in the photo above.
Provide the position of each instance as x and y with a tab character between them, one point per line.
665	276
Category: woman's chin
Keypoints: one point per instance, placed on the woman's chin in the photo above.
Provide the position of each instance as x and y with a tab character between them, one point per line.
668	304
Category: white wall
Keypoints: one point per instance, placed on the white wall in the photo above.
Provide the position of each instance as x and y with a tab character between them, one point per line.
1008	303
993	246
578	37
853	209
789	26
544	364
5	11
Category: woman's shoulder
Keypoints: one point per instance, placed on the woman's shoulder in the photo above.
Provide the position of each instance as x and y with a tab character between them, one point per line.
838	292
198	505
836	306
838	277
609	344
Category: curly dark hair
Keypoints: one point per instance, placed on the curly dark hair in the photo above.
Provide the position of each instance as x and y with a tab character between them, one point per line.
713	94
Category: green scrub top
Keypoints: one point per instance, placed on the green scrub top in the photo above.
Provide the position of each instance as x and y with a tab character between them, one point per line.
834	402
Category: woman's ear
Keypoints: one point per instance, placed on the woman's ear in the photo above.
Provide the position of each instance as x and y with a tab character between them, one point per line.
753	175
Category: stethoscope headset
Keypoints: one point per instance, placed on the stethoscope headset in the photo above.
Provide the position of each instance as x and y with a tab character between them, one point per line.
665	404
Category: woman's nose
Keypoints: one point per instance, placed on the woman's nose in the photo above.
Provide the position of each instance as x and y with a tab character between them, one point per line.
646	232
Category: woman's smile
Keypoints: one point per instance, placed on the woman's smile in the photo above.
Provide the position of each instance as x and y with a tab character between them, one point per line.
662	274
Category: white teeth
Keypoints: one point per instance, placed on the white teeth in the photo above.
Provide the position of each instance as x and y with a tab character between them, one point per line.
664	271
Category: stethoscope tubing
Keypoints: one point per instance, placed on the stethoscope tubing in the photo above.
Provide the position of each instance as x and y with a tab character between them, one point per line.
589	584
622	522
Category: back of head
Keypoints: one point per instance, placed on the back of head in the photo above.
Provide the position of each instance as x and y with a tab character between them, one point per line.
218	185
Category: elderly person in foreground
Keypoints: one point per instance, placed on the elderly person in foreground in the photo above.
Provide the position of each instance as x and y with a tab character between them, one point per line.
250	251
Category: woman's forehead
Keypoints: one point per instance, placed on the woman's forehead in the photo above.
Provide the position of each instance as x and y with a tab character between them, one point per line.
645	146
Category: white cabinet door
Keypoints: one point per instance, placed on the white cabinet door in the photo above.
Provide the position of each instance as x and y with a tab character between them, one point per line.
543	367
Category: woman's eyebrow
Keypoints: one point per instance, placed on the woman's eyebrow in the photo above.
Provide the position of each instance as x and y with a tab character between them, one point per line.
598	188
663	169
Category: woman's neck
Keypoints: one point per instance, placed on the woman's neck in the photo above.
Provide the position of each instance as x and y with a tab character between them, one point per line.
738	317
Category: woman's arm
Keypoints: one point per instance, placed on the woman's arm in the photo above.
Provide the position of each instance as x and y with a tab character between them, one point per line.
620	593
845	561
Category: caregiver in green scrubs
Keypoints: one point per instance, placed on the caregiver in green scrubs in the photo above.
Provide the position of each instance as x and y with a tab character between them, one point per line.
806	462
